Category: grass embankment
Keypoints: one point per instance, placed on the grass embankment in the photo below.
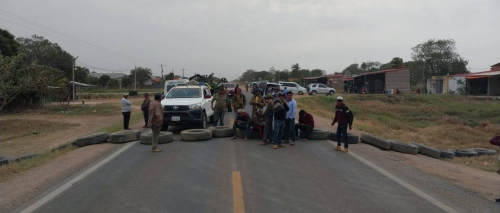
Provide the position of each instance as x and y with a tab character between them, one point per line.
140	91
442	121
88	109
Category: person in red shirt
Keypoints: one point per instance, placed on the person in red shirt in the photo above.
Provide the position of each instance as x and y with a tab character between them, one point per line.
344	117
306	124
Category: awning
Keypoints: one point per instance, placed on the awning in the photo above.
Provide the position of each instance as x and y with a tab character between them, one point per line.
483	75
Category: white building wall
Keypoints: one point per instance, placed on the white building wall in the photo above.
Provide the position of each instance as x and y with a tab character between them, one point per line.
453	83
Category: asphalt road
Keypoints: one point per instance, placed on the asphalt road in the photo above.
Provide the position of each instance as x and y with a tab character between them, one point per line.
205	177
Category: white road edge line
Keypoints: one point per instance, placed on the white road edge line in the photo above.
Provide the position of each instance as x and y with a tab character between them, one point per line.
84	174
422	194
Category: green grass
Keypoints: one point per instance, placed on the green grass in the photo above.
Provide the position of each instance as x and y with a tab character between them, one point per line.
119	125
14	168
85	110
140	91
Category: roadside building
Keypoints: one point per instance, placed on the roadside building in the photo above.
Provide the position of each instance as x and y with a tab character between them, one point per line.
348	85
383	81
334	81
484	83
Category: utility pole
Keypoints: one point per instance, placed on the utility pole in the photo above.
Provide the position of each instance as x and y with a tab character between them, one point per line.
183	72
73	67
162	77
135	76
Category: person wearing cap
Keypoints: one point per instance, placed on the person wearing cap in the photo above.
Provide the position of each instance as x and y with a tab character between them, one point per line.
145	109
239	102
155	120
344	118
306	124
289	133
221	101
242	122
126	109
268	115
257	101
280	109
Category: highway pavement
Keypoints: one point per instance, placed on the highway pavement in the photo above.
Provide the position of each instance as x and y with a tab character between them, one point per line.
224	175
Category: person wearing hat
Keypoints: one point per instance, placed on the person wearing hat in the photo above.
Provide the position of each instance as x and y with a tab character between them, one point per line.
257	101
268	115
126	109
344	118
242	122
155	120
221	101
145	109
239	102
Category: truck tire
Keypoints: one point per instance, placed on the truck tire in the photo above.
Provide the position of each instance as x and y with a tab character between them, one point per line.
252	134
401	147
196	135
165	137
301	93
316	134
125	136
447	154
331	92
483	151
466	153
164	127
92	139
375	141
427	151
203	122
221	131
352	138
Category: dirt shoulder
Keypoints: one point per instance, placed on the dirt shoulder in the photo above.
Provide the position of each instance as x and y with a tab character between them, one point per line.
486	184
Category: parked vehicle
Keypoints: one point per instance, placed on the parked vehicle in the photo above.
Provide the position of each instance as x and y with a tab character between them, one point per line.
230	89
317	88
187	105
173	83
293	87
269	87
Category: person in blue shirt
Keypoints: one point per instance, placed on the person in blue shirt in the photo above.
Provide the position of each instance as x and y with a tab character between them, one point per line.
285	91
290	119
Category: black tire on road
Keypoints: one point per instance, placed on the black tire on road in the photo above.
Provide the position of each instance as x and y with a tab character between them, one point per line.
165	137
375	141
483	151
125	136
221	131
427	151
96	138
252	134
352	138
316	134
203	122
448	154
164	127
402	147
196	135
466	153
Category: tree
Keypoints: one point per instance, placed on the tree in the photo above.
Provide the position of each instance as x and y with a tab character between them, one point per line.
113	83
44	52
18	76
295	71
82	74
371	66
396	62
352	69
439	57
247	76
317	72
8	44
103	80
385	66
170	76
93	80
126	82
143	75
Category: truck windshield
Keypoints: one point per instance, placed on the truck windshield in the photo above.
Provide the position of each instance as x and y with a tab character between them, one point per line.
184	93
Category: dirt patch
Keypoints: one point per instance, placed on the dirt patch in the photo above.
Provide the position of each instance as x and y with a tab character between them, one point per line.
13	129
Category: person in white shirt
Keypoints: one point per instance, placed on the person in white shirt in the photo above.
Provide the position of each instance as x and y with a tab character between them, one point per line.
126	109
290	119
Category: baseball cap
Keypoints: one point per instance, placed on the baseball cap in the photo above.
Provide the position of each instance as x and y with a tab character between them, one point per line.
125	94
146	93
241	111
340	98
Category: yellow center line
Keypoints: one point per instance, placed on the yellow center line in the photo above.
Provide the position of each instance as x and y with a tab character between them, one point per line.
238	203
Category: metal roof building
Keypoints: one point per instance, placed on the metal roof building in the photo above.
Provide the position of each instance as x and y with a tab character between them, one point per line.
383	81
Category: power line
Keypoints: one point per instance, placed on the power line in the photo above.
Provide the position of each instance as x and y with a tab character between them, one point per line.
19	18
103	69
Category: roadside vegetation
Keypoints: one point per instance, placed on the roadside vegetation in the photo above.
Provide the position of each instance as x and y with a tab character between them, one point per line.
441	121
88	109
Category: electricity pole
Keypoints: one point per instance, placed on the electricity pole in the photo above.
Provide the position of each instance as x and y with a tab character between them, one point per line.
162	78
73	67
135	77
183	72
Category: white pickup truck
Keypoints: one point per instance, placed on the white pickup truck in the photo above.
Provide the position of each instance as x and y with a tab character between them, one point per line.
187	105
